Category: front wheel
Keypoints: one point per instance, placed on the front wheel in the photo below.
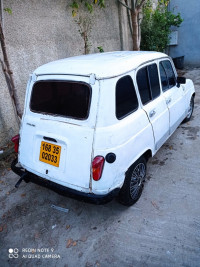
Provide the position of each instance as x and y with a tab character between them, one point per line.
190	110
133	183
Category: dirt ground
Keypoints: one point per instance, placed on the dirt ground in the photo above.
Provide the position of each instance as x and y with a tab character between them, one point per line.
161	229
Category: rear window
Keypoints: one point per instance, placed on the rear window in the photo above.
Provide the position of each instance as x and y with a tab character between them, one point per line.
61	98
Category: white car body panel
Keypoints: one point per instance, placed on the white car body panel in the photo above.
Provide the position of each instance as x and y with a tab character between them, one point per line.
119	137
75	138
176	105
158	115
101	133
188	91
117	63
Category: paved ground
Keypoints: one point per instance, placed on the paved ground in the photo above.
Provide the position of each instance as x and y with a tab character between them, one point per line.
161	229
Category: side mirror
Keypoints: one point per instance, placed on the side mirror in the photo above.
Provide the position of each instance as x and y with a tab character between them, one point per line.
181	80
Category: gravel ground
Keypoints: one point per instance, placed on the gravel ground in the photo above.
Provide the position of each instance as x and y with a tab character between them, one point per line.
161	229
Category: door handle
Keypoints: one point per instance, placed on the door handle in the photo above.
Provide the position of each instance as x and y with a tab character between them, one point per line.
152	113
168	101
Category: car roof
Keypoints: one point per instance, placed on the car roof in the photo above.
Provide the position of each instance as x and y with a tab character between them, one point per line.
103	65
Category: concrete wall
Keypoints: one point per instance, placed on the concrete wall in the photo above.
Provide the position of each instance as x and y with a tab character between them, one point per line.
189	31
41	31
8	125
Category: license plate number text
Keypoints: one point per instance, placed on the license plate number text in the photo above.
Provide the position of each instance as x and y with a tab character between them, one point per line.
50	153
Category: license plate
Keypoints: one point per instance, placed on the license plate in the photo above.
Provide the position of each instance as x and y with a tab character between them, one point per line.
50	153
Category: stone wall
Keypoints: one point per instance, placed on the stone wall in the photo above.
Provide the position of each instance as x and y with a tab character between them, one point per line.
41	31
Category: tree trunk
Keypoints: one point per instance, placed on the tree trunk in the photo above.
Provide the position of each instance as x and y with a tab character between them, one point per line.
135	35
9	76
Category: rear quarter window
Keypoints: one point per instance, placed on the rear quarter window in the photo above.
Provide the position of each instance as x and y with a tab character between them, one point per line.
126	98
61	98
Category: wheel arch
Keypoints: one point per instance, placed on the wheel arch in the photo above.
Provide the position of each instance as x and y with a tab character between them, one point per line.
125	196
146	155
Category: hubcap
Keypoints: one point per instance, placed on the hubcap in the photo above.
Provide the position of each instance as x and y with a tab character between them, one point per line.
137	179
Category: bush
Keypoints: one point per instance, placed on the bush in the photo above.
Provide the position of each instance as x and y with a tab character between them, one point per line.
156	26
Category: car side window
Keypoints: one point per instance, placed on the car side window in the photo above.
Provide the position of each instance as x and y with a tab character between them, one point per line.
143	85
154	80
148	83
126	98
166	67
163	77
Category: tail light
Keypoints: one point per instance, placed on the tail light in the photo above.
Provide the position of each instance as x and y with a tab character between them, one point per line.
15	140
97	167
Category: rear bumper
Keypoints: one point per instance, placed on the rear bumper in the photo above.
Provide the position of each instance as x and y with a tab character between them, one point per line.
62	190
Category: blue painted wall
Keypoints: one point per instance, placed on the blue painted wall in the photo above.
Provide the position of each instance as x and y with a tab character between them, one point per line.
188	32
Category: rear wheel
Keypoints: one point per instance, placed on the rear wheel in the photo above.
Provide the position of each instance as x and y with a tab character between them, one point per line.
133	183
190	110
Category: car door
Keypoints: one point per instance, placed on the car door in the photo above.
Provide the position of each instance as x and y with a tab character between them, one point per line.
153	102
173	94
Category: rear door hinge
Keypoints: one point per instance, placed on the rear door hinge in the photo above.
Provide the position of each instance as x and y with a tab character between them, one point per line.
92	78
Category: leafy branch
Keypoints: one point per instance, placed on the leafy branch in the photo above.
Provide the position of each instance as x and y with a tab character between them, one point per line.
80	9
8	10
89	5
156	26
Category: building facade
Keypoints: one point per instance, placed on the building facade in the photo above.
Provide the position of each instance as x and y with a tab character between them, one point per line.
188	34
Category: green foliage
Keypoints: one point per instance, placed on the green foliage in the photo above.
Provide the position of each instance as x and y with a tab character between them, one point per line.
87	4
100	48
8	10
156	26
84	20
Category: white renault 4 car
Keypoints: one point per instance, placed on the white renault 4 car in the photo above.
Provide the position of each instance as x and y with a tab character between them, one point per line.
91	122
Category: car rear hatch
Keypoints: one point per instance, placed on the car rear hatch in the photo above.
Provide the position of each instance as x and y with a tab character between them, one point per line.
57	129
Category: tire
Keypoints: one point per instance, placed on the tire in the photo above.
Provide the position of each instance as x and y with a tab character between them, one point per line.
133	183
190	110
